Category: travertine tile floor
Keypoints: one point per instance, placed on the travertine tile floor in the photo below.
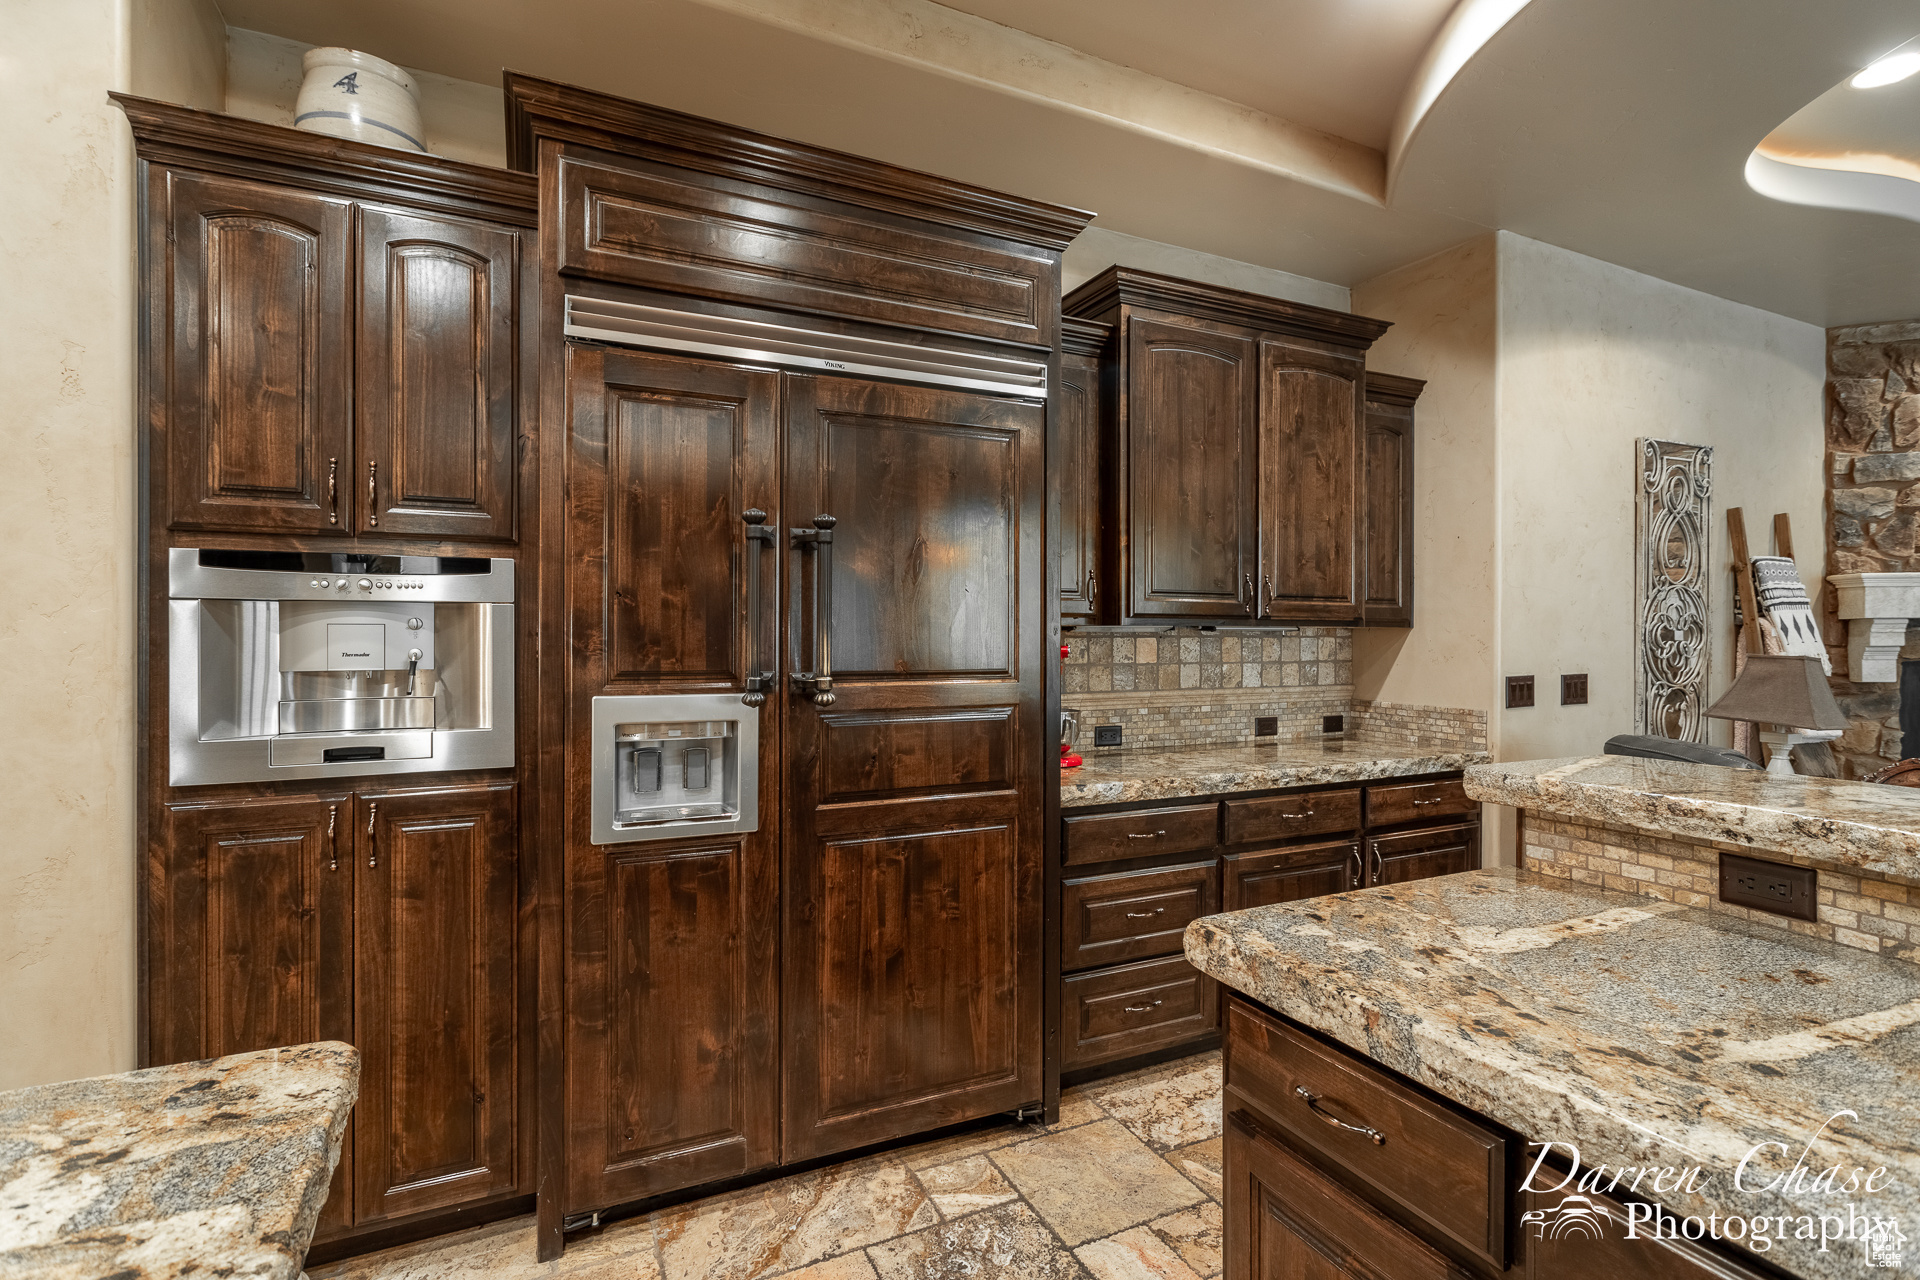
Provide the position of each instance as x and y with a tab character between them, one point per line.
1125	1187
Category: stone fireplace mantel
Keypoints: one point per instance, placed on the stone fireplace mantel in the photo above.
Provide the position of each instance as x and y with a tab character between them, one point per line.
1875	607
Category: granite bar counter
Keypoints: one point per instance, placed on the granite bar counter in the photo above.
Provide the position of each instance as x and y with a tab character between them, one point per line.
215	1168
1824	822
1123	777
1640	1031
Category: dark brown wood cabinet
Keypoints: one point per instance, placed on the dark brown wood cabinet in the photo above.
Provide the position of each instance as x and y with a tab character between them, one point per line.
435	448
1135	875
1386	485
1235	488
340	335
435	985
258	429
1074	470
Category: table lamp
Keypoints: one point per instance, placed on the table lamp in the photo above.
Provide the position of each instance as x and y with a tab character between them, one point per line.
1784	690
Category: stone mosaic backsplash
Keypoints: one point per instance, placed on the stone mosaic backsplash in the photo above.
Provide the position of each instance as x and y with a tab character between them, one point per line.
1183	687
1865	912
1122	659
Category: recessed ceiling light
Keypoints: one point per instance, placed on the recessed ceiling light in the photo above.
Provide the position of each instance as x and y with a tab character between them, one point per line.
1891	69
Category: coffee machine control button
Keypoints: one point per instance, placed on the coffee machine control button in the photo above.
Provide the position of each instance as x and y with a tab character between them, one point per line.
366	584
414	624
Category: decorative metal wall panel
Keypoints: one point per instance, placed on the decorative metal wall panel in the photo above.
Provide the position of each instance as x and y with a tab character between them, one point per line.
1671	528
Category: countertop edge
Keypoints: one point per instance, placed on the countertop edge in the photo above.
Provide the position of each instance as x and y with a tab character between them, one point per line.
1264	777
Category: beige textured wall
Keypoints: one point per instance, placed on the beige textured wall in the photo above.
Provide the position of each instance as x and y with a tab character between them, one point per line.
1591	357
177	52
1096	248
461	120
1444	331
67	522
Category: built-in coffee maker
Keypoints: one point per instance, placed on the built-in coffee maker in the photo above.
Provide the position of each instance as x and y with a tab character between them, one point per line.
334	664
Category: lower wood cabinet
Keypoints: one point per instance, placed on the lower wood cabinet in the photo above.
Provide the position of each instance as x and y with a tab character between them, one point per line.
1287	875
386	919
1131	1009
1415	855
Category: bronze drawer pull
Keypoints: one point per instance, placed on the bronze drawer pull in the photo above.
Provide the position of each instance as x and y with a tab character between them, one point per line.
1143	1008
1146	915
1313	1105
1297	817
1435	800
1144	835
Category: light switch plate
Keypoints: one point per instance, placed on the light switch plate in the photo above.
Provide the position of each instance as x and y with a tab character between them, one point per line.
1573	690
1519	691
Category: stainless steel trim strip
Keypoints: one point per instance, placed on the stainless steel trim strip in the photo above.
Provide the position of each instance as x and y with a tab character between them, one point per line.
188	579
659	329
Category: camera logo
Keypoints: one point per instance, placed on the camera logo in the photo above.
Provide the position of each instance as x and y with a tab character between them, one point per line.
1575	1217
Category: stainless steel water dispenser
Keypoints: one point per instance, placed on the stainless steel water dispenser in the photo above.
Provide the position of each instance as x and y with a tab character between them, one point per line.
673	765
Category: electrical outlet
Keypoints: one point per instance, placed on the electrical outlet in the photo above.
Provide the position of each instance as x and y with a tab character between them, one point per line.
1266	726
1573	690
1106	735
1777	887
1333	724
1519	691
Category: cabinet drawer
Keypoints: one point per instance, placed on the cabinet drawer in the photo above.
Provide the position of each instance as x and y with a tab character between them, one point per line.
1143	832
1430	851
1416	800
1273	818
1107	919
1288	875
1448	1171
1118	1012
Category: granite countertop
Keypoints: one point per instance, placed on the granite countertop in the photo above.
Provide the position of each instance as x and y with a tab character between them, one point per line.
1641	1032
1118	777
214	1168
1857	826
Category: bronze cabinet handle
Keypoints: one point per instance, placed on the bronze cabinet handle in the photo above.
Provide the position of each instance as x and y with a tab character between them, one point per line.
1146	915
1379	865
1268	579
373	495
1251	597
1354	853
759	538
333	491
1093	589
373	839
1313	1105
1143	1008
819	681
1145	835
333	843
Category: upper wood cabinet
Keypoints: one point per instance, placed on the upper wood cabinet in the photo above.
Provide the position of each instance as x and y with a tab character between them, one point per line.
1076	467
1387	496
333	332
435	376
1236	481
257	420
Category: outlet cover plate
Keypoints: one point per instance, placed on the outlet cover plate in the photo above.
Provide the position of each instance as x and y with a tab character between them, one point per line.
1266	726
1777	887
1519	691
1333	724
1106	735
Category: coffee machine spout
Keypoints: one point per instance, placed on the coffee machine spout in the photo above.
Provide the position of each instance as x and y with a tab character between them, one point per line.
413	668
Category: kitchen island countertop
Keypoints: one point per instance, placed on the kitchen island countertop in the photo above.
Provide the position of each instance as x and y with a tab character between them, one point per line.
1642	1032
213	1168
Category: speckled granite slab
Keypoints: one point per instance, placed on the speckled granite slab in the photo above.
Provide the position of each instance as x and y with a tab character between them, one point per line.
1121	777
1642	1032
1864	826
214	1168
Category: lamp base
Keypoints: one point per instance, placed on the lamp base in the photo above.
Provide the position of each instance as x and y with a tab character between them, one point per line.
1781	742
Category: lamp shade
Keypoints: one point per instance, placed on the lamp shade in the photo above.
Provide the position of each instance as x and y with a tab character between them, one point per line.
1783	689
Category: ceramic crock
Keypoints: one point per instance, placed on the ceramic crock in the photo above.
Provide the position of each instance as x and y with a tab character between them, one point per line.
349	94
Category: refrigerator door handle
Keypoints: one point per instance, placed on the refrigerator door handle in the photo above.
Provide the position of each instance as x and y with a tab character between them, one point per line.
818	683
759	538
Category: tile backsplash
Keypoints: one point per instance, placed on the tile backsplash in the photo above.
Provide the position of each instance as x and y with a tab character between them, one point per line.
1184	687
1123	659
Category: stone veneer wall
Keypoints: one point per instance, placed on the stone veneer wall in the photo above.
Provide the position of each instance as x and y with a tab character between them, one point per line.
1124	659
1873	524
1867	912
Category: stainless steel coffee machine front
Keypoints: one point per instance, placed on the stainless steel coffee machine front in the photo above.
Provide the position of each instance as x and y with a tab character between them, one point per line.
333	664
671	765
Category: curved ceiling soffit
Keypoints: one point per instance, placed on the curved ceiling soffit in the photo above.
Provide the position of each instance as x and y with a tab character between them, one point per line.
1465	32
1854	148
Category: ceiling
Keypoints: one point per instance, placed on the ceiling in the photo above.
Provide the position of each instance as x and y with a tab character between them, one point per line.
1851	148
1335	65
1259	129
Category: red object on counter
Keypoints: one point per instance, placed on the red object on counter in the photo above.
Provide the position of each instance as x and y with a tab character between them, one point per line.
1071	762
